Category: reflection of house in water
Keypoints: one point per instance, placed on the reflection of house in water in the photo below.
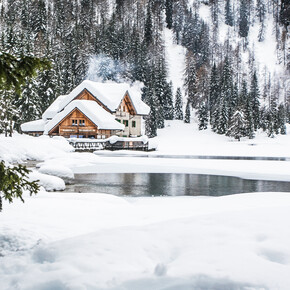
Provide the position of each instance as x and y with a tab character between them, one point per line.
93	110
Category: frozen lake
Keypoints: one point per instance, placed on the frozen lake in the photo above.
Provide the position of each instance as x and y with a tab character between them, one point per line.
170	184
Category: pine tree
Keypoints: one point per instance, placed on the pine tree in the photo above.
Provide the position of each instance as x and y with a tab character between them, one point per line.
214	93
281	119
202	116
223	110
190	80
228	14
168	104
14	181
187	113
148	35
248	109
169	13
151	119
244	19
237	125
178	107
254	96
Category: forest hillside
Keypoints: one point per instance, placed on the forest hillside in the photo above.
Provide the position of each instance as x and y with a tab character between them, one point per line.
225	61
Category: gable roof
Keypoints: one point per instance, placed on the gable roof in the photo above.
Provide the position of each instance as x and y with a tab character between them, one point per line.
110	94
91	110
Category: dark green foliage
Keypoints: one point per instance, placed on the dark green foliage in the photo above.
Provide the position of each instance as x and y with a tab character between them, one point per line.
169	12
254	96
187	113
148	35
214	93
14	70
281	119
178	107
168	103
285	13
14	181
228	14
202	116
151	119
14	73
190	79
244	19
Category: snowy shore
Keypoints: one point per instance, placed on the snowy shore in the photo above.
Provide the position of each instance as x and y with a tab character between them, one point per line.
96	241
60	240
56	157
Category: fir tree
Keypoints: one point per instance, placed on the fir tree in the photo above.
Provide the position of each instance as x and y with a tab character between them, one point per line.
202	116
178	107
214	93
244	19
228	14
248	109
169	12
190	80
187	113
151	119
281	119
237	125
254	98
148	35
168	103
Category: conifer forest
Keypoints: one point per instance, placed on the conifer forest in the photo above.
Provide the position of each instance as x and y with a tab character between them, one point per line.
225	89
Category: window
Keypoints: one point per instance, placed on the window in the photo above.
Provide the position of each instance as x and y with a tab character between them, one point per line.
81	122
133	124
124	109
74	122
125	122
118	120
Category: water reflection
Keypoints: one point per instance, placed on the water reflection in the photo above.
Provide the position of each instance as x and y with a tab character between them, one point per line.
156	184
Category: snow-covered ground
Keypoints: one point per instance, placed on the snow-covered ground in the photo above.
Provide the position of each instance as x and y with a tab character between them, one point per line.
95	241
59	240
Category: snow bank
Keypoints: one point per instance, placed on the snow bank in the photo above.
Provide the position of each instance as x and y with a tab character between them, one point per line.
50	183
56	170
178	138
22	147
92	241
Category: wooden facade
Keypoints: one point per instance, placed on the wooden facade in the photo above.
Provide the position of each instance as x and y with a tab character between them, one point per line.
127	106
76	124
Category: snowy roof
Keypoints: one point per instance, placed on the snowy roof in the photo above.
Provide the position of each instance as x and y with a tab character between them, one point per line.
51	111
33	126
92	110
110	94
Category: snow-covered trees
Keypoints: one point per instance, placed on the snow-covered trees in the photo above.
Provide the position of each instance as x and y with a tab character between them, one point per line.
178	106
124	42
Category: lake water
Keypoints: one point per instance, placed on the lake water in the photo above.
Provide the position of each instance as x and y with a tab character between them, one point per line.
171	184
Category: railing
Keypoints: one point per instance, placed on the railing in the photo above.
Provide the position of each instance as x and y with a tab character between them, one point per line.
100	145
87	146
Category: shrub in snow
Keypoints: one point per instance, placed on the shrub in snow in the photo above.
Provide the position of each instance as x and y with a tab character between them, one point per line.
160	270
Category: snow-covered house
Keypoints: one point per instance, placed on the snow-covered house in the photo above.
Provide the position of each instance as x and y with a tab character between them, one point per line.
93	110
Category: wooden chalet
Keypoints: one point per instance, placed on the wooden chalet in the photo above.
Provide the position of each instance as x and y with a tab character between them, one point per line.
93	110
